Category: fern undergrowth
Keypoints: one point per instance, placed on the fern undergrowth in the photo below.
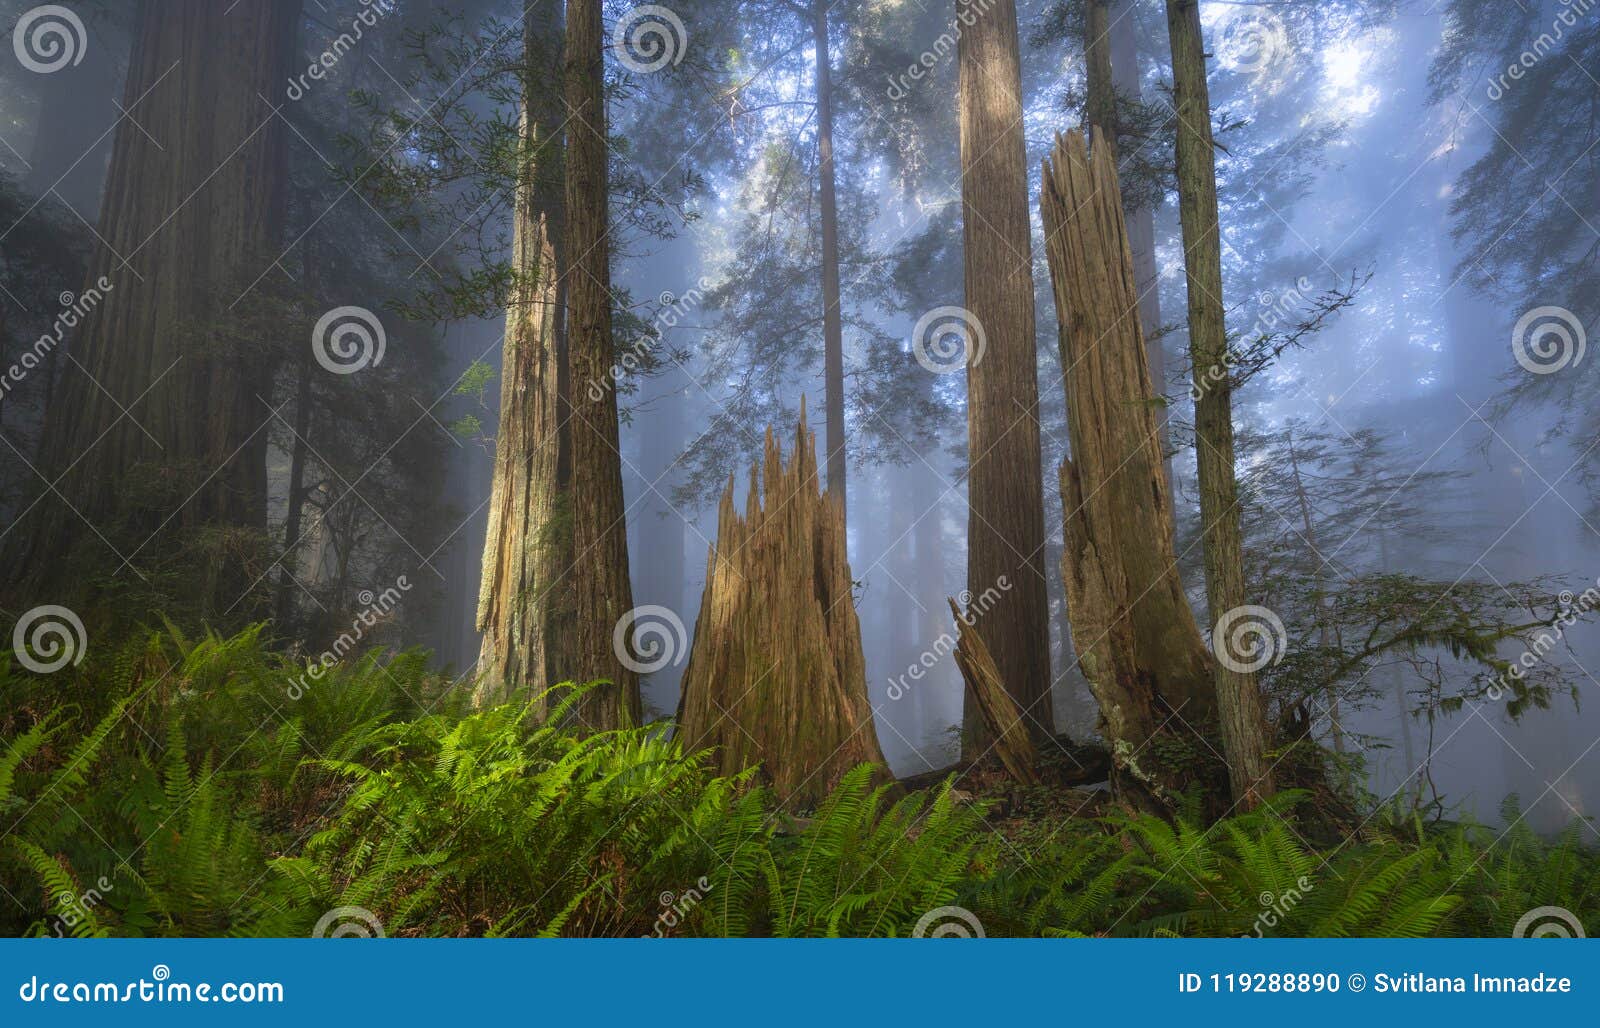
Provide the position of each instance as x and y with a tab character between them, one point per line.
211	787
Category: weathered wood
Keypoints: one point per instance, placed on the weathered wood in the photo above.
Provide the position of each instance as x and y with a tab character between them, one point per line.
524	610
1132	627
1011	740
776	676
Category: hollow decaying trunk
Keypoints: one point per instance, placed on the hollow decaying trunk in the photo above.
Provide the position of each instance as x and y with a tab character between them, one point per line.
1135	634
1012	742
776	676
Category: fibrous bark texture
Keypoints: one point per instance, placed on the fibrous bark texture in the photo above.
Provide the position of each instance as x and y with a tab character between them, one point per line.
524	611
1005	495
601	590
1238	696
156	437
1012	742
1135	635
776	675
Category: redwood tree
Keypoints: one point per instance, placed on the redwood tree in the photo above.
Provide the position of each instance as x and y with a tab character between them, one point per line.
156	438
598	577
1005	493
524	607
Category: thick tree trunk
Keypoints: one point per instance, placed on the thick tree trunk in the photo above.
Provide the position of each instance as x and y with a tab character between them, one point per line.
158	432
524	608
1238	697
832	326
1005	494
598	578
776	676
1132	627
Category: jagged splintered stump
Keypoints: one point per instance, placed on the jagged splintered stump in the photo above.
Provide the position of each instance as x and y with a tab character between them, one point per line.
1132	627
776	676
1012	742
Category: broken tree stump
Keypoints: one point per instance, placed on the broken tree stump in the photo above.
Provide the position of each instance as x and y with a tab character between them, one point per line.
776	676
1132	627
1012	742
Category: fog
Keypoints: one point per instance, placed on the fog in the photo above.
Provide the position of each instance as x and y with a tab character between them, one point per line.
1341	167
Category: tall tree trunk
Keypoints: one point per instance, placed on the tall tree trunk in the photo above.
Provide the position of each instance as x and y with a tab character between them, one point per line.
524	608
832	327
1132	627
1005	492
157	433
599	576
1128	82
1100	110
1238	697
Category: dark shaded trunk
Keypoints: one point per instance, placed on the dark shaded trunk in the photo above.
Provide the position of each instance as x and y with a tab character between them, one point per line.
1238	697
1005	494
598	579
1100	110
832	327
157	434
